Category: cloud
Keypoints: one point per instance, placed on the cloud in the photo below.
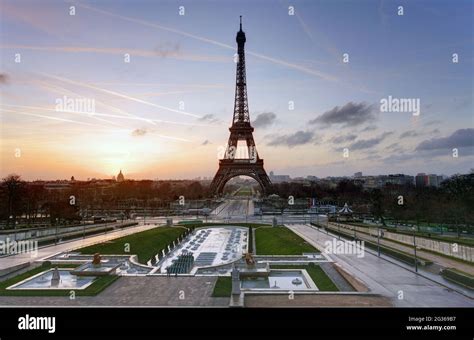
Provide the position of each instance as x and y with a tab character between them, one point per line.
395	148
264	119
167	49
295	139
210	118
350	114
432	122
343	139
459	138
408	134
4	78
139	132
368	143
369	128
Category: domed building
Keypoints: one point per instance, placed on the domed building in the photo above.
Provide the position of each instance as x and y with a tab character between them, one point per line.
120	177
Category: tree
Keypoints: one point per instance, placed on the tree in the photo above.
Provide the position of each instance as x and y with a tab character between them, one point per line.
376	199
14	187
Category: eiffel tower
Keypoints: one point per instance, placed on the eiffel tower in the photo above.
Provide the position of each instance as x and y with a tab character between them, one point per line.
241	130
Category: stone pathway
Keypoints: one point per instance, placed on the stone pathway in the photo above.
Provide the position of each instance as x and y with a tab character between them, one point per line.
438	259
137	291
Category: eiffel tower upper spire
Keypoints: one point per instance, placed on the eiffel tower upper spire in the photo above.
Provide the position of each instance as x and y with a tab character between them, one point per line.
241	107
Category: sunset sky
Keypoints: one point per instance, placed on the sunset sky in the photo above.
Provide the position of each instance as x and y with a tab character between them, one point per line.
166	113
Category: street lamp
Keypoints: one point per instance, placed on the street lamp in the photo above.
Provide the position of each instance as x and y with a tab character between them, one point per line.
57	223
378	240
14	225
414	248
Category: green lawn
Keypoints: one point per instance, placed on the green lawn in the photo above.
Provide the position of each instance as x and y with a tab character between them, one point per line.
281	241
318	276
95	288
223	287
244	191
144	244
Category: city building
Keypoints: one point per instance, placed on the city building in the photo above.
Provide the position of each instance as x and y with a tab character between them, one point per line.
431	180
279	178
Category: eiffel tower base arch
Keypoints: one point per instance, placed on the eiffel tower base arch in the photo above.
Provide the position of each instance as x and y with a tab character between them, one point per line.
229	169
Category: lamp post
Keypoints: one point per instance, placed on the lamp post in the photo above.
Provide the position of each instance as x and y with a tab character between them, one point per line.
57	219
414	248
14	226
378	240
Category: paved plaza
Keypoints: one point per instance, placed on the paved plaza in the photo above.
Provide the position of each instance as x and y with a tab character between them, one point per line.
137	291
388	279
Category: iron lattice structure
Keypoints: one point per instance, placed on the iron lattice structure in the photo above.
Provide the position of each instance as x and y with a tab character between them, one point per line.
241	130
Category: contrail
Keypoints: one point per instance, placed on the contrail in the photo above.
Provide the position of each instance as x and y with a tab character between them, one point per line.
62	91
120	51
119	95
89	114
211	41
83	123
53	118
149	24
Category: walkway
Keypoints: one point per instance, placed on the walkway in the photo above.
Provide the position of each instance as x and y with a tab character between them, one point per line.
404	287
14	260
438	259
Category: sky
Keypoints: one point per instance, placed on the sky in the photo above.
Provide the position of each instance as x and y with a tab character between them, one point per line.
135	85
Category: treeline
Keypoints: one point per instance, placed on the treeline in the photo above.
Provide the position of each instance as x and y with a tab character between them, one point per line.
32	202
451	203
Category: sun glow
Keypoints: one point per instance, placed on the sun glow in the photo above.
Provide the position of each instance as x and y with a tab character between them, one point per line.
116	150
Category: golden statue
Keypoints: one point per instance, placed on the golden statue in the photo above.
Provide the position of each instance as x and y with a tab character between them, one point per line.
249	259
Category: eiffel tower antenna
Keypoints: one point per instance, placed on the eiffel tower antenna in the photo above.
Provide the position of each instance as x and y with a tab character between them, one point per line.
241	130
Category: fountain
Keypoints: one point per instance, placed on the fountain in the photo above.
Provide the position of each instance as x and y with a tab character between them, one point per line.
97	267
297	281
235	281
55	278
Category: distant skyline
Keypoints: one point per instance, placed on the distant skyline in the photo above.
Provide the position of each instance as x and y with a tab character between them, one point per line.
165	114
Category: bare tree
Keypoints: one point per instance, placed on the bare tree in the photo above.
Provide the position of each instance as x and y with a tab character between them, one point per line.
14	187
